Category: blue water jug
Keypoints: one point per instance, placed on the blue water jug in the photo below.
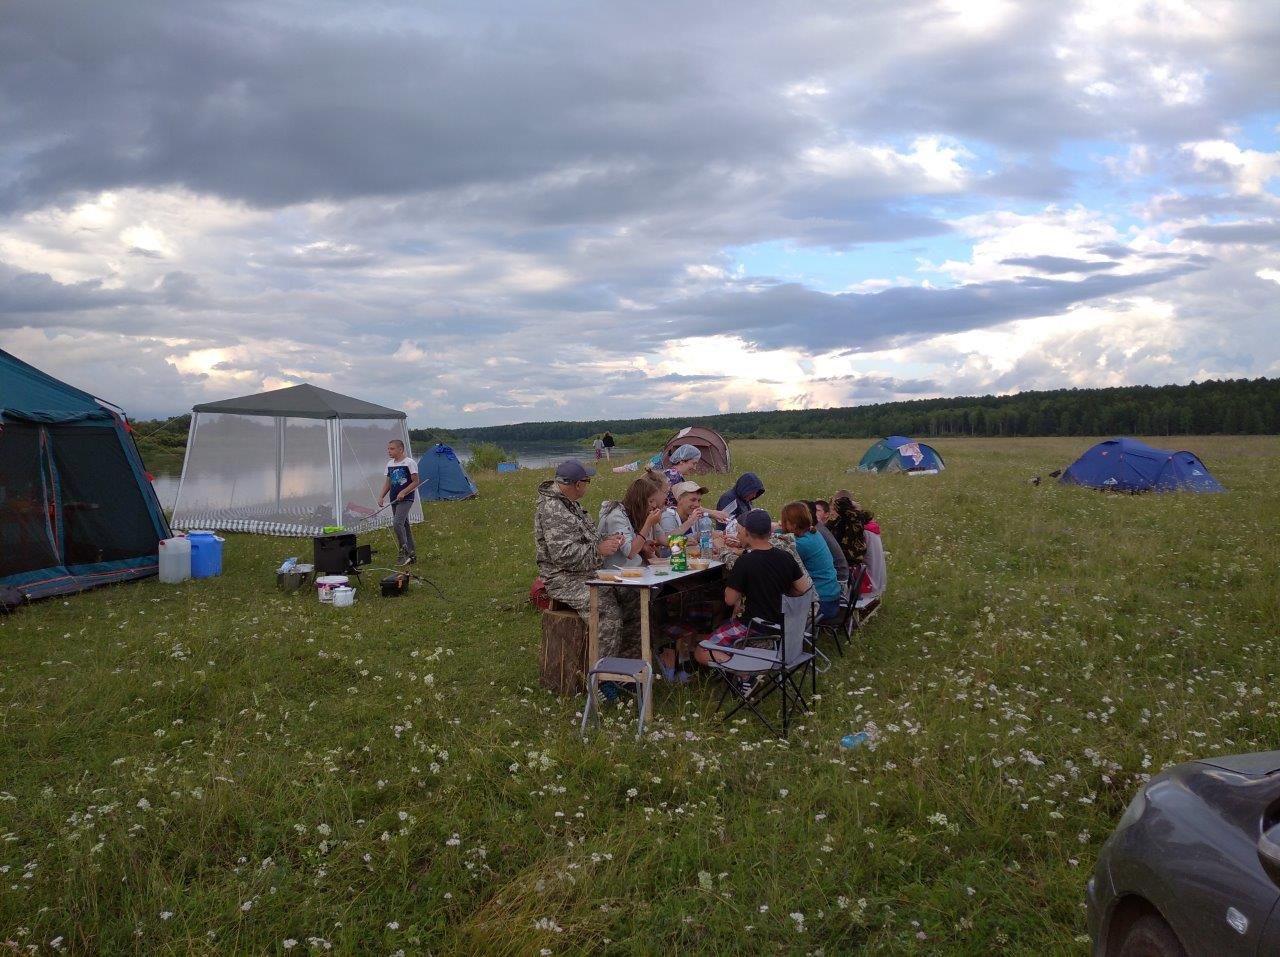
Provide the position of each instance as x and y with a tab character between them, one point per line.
206	554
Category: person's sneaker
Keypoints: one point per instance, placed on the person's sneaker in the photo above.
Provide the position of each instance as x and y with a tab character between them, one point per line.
610	690
682	677
746	686
406	560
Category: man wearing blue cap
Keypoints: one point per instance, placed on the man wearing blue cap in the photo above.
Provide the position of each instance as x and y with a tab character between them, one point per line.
568	553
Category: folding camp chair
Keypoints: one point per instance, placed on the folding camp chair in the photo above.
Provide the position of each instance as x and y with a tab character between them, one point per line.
846	619
752	674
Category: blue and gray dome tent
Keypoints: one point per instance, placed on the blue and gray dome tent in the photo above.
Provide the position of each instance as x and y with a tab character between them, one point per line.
897	453
442	476
1127	465
76	507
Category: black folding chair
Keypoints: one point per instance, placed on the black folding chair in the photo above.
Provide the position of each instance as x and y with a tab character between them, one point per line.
752	674
846	619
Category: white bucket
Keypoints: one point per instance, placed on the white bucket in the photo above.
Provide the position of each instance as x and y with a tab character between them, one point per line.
343	597
326	585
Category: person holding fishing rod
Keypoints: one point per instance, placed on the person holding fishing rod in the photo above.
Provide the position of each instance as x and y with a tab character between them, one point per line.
402	479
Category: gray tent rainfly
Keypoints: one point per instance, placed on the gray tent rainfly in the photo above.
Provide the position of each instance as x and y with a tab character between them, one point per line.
288	462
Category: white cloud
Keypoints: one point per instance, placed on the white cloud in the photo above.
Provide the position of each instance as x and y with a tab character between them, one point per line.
1248	171
933	164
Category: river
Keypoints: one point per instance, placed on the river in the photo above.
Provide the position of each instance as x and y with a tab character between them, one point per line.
529	455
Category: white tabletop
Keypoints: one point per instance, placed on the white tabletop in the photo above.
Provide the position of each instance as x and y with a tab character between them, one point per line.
650	580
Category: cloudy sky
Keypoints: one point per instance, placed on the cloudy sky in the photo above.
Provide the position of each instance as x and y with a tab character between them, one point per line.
512	211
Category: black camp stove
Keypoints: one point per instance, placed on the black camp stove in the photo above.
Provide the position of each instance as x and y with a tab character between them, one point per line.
339	554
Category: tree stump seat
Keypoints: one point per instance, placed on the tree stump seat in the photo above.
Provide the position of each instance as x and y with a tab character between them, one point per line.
562	652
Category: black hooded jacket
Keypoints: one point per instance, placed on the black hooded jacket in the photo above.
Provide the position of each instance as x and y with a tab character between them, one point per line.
735	501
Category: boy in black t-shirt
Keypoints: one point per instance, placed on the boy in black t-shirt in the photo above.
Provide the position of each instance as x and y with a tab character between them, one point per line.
402	479
762	576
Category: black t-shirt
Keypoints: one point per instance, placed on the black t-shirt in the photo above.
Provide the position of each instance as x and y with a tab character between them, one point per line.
764	576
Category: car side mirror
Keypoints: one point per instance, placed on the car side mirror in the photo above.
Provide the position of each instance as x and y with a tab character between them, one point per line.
1269	851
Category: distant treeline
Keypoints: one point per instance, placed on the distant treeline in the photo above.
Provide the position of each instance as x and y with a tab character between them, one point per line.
1230	407
1233	407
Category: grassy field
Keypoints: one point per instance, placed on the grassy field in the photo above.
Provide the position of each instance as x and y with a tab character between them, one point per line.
217	768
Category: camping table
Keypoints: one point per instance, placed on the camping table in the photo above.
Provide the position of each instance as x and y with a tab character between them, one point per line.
649	585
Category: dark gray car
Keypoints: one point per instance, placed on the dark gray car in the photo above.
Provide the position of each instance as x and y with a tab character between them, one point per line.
1193	867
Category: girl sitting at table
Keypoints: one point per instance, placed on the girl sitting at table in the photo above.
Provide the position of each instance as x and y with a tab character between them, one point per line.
816	557
637	518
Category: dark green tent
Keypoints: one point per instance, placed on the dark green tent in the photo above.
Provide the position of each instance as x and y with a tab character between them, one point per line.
897	453
76	507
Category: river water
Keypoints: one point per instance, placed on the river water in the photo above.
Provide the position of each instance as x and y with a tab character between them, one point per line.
528	455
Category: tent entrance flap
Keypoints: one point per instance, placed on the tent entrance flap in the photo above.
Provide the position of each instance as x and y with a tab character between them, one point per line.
76	509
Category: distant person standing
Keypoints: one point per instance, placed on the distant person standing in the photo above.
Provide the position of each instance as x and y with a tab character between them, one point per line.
608	446
599	447
402	479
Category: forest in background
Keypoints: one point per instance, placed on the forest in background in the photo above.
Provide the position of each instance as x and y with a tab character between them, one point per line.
1230	407
1216	407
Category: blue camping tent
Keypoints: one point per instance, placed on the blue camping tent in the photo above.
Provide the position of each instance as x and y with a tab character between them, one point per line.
442	476
76	507
1127	465
897	453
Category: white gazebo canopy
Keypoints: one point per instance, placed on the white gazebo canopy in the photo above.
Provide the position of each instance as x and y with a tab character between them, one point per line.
288	462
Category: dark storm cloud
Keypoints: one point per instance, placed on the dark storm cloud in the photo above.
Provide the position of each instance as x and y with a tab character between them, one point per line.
276	104
22	293
1059	264
227	99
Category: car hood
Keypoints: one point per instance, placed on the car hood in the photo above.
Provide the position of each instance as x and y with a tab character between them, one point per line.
1258	764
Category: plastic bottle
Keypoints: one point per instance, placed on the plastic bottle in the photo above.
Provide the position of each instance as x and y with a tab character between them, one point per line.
704	535
175	560
857	740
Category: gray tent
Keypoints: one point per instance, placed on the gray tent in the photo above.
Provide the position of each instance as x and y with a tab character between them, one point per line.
287	462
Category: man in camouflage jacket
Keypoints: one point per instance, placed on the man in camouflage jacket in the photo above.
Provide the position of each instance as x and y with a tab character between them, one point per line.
568	553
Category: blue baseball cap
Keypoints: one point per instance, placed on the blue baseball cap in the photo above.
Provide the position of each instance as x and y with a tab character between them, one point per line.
571	470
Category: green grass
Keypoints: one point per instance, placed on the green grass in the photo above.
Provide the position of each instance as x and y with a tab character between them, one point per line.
217	768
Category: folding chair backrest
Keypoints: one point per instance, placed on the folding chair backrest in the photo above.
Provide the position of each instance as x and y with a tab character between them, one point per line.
875	562
795	619
857	575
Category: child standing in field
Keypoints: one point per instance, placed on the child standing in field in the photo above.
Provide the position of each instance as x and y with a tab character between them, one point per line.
402	479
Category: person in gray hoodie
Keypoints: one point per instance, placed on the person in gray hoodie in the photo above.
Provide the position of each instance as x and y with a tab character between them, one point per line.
636	519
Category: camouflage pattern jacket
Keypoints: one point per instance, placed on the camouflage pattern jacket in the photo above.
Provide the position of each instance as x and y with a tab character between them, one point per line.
564	537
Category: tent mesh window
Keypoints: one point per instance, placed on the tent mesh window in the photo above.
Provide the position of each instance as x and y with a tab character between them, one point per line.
25	540
103	520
